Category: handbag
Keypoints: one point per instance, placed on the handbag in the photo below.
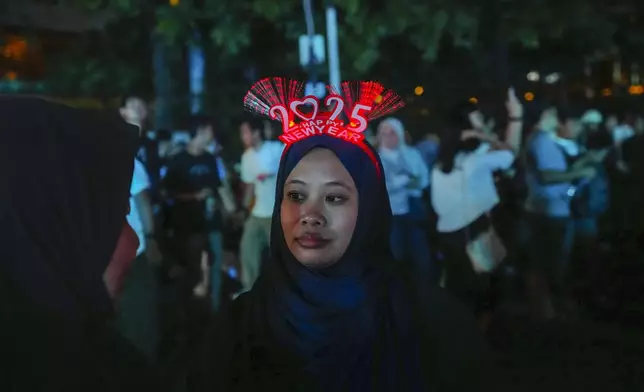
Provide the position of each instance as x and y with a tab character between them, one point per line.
485	251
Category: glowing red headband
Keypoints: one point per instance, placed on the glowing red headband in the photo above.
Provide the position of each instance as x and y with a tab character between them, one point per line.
281	99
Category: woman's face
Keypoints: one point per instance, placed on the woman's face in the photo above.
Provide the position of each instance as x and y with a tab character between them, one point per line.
387	137
319	209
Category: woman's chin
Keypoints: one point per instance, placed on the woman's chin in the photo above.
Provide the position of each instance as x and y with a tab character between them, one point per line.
314	259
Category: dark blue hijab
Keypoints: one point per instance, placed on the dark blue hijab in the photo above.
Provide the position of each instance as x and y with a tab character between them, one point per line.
348	326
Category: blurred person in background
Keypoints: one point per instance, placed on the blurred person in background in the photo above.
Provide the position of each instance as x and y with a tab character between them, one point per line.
550	178
623	184
137	310
259	166
215	210
165	147
611	122
135	110
589	198
633	159
67	249
639	125
510	186
627	189
463	194
593	133
407	177
428	148
592	119
191	184
626	128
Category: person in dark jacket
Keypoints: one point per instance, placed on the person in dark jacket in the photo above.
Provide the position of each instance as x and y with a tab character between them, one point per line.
66	247
331	312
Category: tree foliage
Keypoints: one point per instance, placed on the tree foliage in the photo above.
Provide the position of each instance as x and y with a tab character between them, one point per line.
363	26
365	23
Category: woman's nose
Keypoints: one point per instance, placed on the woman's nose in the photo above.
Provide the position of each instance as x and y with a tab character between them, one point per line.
313	219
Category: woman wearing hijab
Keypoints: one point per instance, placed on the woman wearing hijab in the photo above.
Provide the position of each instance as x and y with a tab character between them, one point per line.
407	177
330	312
66	247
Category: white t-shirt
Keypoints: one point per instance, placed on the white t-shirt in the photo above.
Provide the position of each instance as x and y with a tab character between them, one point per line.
468	191
140	182
265	160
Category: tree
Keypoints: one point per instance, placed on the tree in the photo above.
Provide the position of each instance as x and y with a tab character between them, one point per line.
229	27
365	23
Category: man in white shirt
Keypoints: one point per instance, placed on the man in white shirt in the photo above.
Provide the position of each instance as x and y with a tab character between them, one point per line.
259	166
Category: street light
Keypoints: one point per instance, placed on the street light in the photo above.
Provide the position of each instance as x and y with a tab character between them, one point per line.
552	78
419	90
11	76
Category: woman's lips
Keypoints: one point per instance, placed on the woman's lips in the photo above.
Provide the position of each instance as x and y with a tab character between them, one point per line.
311	241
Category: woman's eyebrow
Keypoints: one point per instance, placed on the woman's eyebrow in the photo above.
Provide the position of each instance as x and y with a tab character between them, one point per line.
330	183
338	183
295	181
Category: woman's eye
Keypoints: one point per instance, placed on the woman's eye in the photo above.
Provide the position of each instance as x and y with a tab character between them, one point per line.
335	199
295	196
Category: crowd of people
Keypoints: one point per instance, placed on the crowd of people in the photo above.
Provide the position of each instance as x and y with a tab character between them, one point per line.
335	270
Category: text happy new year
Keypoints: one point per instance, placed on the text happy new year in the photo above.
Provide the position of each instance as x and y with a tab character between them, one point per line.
320	127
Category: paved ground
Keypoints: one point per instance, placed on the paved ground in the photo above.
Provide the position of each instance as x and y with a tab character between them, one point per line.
575	356
601	350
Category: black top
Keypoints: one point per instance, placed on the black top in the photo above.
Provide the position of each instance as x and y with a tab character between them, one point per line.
454	354
188	174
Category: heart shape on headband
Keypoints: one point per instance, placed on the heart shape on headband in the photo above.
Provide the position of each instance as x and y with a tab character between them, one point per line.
311	100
